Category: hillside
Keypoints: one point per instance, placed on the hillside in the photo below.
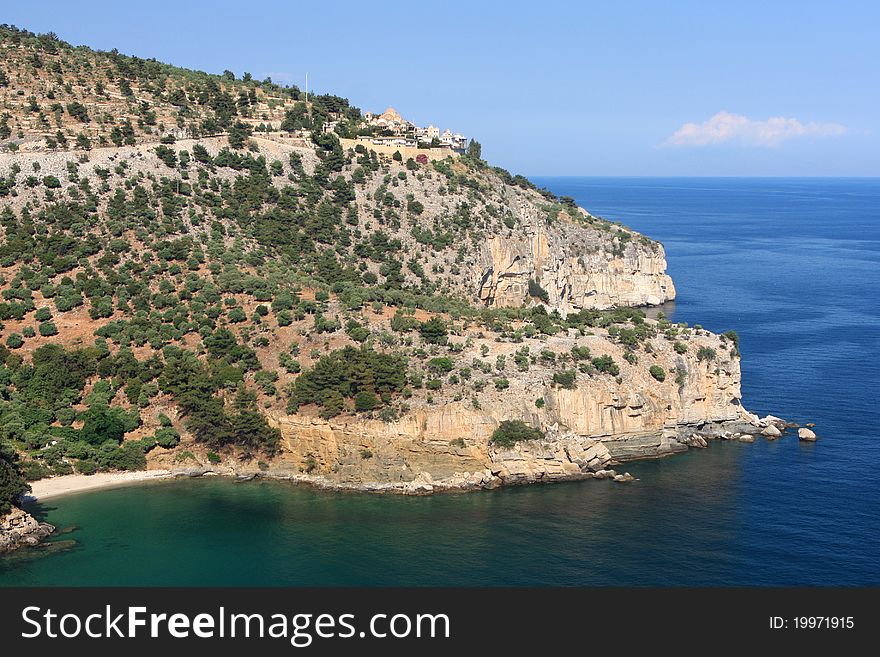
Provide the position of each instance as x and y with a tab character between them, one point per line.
196	276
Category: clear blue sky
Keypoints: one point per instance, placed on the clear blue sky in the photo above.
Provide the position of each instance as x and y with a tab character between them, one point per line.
550	88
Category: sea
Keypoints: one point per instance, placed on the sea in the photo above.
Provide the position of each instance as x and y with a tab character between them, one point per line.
792	264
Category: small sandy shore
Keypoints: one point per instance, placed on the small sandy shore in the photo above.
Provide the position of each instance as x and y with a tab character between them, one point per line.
77	483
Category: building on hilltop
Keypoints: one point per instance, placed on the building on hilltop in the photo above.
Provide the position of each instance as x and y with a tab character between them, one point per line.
390	125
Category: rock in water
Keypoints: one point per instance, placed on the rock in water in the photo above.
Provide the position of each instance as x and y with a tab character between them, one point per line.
771	432
807	435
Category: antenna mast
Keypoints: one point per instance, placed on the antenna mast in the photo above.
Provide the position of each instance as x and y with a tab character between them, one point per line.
308	107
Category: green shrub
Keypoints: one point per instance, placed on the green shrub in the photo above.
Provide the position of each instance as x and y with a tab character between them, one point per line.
565	379
580	353
167	437
365	401
12	482
43	314
34	470
167	155
510	432
213	458
706	353
606	364
237	315
130	456
658	373
680	347
434	331
48	329
357	332
86	467
441	364
733	337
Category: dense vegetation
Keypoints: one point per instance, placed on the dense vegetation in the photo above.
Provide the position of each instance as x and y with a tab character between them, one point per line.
12	482
510	432
363	376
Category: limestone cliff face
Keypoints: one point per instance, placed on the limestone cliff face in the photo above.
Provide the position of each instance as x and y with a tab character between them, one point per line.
603	420
573	277
578	264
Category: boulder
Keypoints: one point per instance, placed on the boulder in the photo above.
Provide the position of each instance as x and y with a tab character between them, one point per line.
746	438
773	421
807	435
771	432
623	478
752	419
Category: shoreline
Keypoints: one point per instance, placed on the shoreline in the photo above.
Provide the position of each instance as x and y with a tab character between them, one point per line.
770	427
45	489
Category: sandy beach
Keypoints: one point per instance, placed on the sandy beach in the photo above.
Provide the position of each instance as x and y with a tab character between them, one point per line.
76	483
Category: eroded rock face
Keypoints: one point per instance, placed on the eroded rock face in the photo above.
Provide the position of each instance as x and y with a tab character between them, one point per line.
574	266
19	529
603	420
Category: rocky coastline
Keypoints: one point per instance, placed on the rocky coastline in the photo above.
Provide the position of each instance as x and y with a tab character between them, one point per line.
18	529
559	457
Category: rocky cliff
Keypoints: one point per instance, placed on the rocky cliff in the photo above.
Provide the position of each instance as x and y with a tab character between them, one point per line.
601	421
577	264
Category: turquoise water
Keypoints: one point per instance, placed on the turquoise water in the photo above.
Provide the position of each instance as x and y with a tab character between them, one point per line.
793	265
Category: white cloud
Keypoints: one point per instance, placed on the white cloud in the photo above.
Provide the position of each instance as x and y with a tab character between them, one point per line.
727	127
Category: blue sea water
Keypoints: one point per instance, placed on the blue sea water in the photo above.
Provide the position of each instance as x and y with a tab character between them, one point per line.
792	264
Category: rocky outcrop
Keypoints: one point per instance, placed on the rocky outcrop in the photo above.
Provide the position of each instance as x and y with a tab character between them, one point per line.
602	421
569	264
20	529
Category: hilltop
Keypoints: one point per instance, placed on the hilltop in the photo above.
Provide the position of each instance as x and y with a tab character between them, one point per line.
198	274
